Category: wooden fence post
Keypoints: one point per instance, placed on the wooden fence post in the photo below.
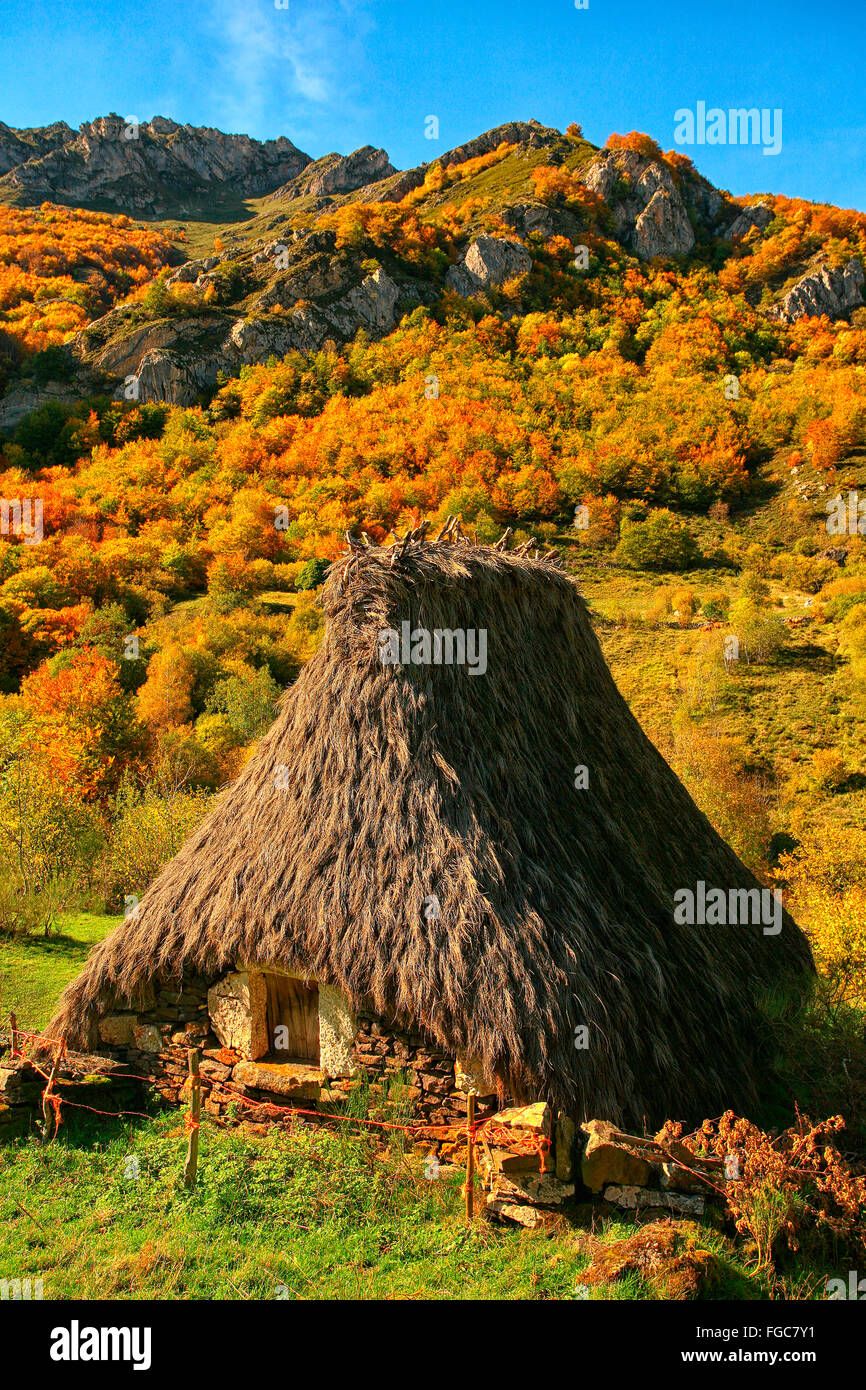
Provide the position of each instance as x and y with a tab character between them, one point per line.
189	1168
49	1119
13	1025
470	1154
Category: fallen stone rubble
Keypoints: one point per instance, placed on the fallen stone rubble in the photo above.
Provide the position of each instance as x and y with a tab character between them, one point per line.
532	1162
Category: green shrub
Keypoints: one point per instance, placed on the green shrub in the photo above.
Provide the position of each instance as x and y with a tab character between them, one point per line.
662	542
248	700
311	574
150	828
37	908
762	634
715	606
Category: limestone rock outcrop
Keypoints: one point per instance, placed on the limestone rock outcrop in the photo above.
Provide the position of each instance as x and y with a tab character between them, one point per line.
296	294
755	215
17	146
488	260
663	228
824	291
339	173
153	169
646	199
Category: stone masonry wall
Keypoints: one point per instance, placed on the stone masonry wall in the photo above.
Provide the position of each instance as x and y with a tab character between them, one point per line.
171	1018
385	1052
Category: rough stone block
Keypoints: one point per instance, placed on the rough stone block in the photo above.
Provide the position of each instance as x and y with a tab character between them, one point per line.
337	1029
117	1030
237	1006
292	1079
504	1161
646	1199
512	1211
532	1117
147	1038
677	1179
540	1189
434	1085
606	1161
469	1076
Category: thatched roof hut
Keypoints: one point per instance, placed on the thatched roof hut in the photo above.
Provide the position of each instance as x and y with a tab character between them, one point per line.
412	833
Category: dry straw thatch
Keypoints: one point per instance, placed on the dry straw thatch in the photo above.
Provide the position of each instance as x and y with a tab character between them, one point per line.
379	786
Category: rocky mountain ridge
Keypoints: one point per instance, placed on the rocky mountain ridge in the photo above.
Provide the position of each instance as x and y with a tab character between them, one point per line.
19	146
285	284
338	173
148	170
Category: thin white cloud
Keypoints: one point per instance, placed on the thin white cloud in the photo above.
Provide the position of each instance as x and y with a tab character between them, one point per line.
309	55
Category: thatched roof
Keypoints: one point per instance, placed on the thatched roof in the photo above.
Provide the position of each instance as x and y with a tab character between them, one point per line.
380	786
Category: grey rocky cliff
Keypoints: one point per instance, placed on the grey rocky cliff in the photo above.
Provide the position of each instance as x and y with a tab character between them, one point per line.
339	173
152	169
17	146
823	291
663	228
488	261
295	289
755	215
297	294
545	221
646	200
371	305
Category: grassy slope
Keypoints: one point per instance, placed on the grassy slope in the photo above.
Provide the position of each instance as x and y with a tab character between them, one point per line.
34	970
327	1215
781	711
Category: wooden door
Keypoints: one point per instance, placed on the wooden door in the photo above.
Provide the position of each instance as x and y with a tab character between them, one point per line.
293	1006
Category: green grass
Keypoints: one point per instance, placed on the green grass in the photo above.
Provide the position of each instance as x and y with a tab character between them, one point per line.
34	969
323	1214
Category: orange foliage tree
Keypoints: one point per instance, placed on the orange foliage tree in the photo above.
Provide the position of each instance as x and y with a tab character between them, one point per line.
60	267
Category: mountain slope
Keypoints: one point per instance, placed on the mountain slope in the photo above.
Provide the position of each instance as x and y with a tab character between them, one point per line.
19	146
156	169
522	218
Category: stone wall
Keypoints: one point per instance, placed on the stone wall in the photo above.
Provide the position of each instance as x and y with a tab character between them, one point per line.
529	1160
97	1083
154	1039
647	1176
435	1088
20	1098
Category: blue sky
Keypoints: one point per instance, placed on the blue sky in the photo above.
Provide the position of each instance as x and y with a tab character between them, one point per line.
335	74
